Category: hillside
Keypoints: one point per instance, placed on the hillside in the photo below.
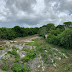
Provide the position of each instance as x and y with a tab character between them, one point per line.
34	54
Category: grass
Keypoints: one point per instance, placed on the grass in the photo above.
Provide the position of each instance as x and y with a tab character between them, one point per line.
14	52
5	68
48	53
2	43
42	45
18	68
26	50
29	43
29	55
2	48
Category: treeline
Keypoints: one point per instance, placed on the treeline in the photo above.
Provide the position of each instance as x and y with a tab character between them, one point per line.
11	33
60	35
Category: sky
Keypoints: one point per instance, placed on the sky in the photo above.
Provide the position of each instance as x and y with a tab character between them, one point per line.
34	13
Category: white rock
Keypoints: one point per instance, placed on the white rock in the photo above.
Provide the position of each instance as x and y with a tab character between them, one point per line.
54	64
59	58
43	68
45	50
39	66
22	56
15	41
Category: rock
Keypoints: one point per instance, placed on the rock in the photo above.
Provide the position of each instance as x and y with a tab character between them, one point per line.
46	36
21	53
2	51
5	57
19	46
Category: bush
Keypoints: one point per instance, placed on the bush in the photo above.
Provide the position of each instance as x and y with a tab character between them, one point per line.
2	48
6	46
64	39
16	67
5	68
15	48
25	69
17	60
52	39
14	52
30	55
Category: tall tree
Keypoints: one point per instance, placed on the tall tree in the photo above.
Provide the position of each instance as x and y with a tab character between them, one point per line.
67	24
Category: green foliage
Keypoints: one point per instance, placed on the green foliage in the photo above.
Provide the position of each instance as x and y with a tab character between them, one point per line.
42	31
63	39
25	69
67	24
11	33
17	60
5	68
61	27
45	29
17	68
2	48
15	48
14	52
55	32
30	55
6	46
25	49
52	39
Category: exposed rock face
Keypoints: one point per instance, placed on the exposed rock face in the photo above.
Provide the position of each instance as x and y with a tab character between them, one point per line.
37	64
19	46
21	53
5	57
1	51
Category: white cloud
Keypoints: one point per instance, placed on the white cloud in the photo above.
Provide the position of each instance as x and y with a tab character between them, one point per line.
34	13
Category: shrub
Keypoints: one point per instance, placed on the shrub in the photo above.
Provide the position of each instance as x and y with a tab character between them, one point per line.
25	49
25	69
15	48
5	68
2	48
14	52
52	39
6	46
16	67
17	60
30	55
64	39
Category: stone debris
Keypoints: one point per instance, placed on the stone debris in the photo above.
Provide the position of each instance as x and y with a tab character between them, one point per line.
13	41
21	53
64	55
19	46
58	58
5	57
54	64
52	60
2	51
46	51
38	66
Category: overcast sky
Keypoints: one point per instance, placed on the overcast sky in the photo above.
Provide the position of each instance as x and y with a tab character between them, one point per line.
34	13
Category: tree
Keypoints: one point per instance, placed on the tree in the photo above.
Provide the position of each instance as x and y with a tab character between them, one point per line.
67	24
60	27
42	31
